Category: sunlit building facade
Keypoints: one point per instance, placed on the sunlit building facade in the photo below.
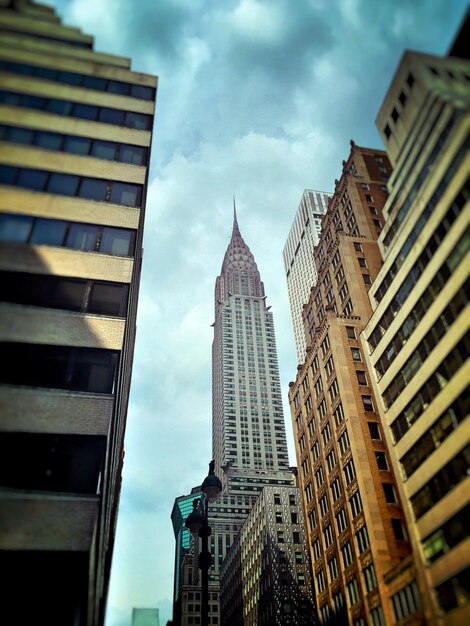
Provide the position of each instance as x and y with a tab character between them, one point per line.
75	136
265	577
299	266
355	527
417	341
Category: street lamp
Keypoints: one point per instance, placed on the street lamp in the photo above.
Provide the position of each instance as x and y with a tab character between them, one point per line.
197	522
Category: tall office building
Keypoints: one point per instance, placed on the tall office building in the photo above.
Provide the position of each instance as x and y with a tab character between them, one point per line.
299	266
75	128
356	532
248	429
417	341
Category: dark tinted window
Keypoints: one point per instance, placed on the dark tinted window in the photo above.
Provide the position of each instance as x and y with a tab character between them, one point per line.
82	237
77	145
32	179
15	228
140	91
92	82
115	241
7	174
115	86
133	154
138	121
20	135
126	194
63	184
85	111
93	189
45	73
61	107
108	299
111	116
49	141
70	78
33	102
104	150
48	232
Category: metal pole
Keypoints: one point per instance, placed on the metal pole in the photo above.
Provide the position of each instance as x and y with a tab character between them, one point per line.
204	563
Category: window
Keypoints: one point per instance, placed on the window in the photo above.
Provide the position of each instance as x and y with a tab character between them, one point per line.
320	581
390	495
399	529
326	434
336	489
338	414
331	460
381	460
353	590
362	262
367	403
324	505
79	369
357	245
356	354
346	551
316	549
333	390
377	616
362	538
341	521
328	534
343	442
369	577
450	534
15	228
355	504
351	332
374	430
366	277
406	601
361	377
454	591
296	537
280	536
387	131
333	568
349	472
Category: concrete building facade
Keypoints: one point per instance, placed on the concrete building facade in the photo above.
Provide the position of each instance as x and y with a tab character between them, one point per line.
417	341
75	137
299	266
357	537
265	577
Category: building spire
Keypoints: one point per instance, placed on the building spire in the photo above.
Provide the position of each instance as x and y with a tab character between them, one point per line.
236	230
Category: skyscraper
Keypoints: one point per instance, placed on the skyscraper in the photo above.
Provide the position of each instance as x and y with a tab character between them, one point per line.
417	341
75	128
356	531
248	430
299	266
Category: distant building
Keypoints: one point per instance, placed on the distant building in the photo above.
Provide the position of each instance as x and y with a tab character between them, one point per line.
299	266
265	578
145	617
417	342
356	531
75	129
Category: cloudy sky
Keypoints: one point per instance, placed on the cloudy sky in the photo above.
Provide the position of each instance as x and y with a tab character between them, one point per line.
257	99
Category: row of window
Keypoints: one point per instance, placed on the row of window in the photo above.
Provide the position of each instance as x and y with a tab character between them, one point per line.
415	273
459	301
60	367
406	602
126	194
450	534
445	424
424	172
424	349
442	482
87	237
54	463
91	112
449	218
72	294
431	388
402	99
74	144
80	80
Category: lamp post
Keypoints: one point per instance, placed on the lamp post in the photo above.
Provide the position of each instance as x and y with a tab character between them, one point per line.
198	524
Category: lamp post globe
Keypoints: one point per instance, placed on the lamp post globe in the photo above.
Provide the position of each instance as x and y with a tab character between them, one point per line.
195	520
212	486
